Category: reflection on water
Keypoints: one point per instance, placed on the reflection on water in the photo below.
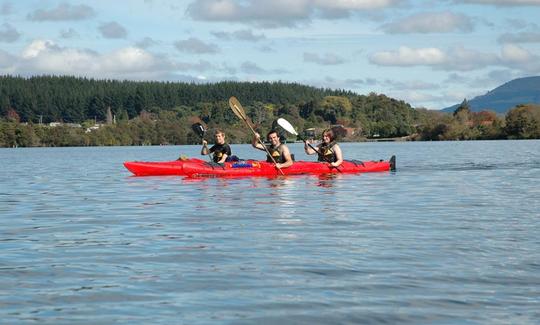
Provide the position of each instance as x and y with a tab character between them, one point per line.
451	234
327	180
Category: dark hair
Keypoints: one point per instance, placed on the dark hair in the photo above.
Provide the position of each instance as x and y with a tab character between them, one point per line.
219	131
330	134
270	132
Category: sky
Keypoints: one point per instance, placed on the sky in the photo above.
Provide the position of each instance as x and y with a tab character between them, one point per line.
431	54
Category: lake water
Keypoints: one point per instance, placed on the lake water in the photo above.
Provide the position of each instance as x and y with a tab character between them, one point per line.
452	237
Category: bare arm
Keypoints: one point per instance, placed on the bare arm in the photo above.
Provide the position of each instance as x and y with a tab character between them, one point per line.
339	156
308	150
288	160
256	143
223	158
204	150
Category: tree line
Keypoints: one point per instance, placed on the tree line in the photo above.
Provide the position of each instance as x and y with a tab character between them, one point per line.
152	113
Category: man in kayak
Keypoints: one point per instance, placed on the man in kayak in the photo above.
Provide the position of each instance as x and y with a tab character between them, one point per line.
328	150
220	149
278	151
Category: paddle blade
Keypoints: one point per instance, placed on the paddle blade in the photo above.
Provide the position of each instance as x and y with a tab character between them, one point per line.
286	126
237	108
198	128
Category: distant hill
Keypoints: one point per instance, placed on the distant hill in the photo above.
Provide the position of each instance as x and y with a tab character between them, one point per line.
503	98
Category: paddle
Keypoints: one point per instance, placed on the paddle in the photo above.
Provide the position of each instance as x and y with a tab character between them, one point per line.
289	128
238	110
200	130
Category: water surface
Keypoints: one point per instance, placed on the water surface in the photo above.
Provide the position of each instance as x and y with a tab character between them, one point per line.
452	237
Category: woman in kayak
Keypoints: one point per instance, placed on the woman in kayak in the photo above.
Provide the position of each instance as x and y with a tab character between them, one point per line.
328	150
279	152
220	149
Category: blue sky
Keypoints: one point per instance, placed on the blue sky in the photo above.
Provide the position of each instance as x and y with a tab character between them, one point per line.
428	53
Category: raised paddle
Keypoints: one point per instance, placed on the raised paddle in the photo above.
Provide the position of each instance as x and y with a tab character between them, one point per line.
289	128
200	130
238	110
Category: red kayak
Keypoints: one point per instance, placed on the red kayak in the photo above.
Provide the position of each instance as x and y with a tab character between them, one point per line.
159	168
199	168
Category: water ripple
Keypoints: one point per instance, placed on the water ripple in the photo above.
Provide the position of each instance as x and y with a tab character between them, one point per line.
450	238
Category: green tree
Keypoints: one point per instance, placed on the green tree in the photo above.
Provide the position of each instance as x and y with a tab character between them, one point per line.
523	122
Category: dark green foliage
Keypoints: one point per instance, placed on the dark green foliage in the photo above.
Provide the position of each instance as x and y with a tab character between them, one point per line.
154	113
71	99
523	122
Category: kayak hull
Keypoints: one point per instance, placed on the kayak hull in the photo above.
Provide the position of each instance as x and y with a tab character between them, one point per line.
158	168
201	168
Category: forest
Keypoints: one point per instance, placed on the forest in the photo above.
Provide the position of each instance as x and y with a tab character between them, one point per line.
71	111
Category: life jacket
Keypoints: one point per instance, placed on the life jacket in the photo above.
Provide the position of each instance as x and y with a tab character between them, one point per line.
326	153
219	150
217	156
276	153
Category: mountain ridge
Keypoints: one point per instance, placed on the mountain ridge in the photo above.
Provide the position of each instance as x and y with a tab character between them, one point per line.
501	99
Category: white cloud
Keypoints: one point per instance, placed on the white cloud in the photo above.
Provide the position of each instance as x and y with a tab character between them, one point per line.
146	43
128	59
492	78
271	13
64	11
8	33
406	56
362	82
411	85
46	57
7	62
112	30
6	9
251	68
515	54
514	24
503	2
457	58
456	78
37	47
279	13
200	66
430	22
241	35
196	46
69	33
353	4
416	97
326	59
463	59
523	37
213	10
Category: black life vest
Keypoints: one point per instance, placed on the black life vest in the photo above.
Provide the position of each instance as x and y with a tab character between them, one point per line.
219	150
326	153
276	153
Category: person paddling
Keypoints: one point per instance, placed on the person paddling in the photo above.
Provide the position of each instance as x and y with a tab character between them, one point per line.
221	150
279	152
328	150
